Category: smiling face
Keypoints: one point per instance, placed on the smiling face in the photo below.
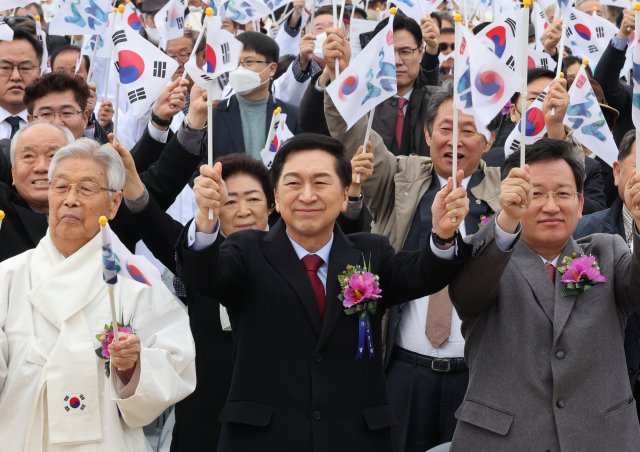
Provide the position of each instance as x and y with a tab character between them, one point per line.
406	70
73	218
246	206
310	195
547	228
471	143
12	86
34	151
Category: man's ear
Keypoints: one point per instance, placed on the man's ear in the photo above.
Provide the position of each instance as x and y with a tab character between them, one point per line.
512	113
142	22
85	116
13	175
114	205
427	135
275	192
345	200
616	172
489	143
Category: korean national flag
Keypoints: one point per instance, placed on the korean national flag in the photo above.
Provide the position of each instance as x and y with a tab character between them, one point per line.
585	117
80	17
502	38
144	70
244	11
170	22
6	32
588	36
536	127
369	79
280	136
540	59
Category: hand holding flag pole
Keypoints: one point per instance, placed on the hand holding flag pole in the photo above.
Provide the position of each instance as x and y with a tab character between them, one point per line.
457	19
560	55
524	67
1	218
636	7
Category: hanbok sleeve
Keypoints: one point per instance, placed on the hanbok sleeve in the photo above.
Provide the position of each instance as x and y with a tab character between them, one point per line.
165	372
4	345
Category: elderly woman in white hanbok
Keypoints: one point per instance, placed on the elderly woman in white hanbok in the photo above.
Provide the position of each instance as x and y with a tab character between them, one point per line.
55	394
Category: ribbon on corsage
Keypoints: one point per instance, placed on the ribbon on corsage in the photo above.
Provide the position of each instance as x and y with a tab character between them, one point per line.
359	293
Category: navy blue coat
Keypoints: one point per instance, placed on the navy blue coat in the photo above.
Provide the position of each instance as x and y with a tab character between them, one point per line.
610	222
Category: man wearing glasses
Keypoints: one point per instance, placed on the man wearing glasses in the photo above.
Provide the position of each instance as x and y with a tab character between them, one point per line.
19	66
446	46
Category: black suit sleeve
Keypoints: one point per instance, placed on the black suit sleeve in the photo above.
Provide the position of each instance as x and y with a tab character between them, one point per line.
99	134
607	74
594	198
147	151
5	162
311	113
431	68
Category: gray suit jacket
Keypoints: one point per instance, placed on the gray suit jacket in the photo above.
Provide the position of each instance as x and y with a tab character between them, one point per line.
546	372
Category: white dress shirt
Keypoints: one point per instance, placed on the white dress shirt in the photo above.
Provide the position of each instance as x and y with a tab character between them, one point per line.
5	127
410	334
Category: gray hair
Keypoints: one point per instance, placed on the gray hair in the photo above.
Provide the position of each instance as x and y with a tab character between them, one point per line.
580	2
443	94
86	148
14	141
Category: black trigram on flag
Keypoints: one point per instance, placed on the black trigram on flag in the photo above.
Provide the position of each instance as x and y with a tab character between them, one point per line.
118	37
206	77
543	94
226	56
136	95
515	146
600	32
573	16
593	49
544	64
512	25
117	65
159	69
511	63
180	22
569	32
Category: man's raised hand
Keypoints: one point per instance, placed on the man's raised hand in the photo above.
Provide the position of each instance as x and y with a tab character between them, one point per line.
449	204
515	197
551	36
336	46
211	193
171	100
430	34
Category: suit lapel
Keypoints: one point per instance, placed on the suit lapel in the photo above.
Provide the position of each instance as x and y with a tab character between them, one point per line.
343	253
280	254
233	122
476	210
532	268
563	305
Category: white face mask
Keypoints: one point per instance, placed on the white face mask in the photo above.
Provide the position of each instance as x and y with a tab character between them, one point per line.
153	34
243	81
532	45
319	42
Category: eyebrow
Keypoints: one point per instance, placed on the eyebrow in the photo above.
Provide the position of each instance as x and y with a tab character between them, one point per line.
248	192
563	185
294	174
46	107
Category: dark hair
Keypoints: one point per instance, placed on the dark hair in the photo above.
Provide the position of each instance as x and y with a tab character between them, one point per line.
402	23
283	64
260	44
547	150
447	31
571	60
69	48
626	145
313	142
438	19
56	82
37	7
24	35
234	164
532	75
328	10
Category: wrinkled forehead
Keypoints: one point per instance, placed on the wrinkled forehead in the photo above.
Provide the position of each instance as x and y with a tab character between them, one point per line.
76	169
445	116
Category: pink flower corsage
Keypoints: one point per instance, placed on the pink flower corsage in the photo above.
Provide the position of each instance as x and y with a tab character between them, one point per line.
105	337
580	274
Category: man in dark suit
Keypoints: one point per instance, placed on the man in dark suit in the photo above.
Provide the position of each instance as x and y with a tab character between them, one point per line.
26	203
296	385
619	220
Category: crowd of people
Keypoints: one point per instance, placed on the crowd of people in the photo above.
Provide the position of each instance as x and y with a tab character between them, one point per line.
343	297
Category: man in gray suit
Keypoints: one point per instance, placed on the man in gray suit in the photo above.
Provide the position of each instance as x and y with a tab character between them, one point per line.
547	372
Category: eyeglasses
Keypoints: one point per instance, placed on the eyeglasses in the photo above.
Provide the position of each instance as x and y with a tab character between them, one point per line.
85	189
182	58
50	116
464	133
25	68
405	54
248	64
445	45
562	197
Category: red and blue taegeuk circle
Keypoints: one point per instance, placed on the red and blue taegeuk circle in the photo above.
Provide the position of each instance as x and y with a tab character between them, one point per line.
348	86
531	64
489	83
74	402
134	21
583	31
499	37
131	66
535	122
274	144
211	60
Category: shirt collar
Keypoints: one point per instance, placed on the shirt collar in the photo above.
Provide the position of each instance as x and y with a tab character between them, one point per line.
322	252
553	262
443	181
4	114
406	96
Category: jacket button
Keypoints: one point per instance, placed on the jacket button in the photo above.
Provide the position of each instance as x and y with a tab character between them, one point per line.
560	354
632	370
560	403
317	357
317	415
394	103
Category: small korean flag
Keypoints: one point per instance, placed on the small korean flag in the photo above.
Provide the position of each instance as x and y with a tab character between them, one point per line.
76	403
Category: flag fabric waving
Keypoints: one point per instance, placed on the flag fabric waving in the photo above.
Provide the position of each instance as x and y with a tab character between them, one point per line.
412	8
502	38
628	61
170	22
588	36
565	8
585	117
272	5
131	17
244	11
143	69
42	37
368	80
281	135
541	25
540	59
484	83
10	4
536	127
6	32
80	17
117	260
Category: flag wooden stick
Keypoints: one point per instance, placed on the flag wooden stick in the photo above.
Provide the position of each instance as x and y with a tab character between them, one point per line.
342	13
117	100
457	19
334	3
93	57
560	55
286	9
114	315
209	13
421	8
366	6
378	14
1	218
636	7
313	16
106	82
466	19
340	24
629	28
273	18
595	11
210	130
543	12
272	132
387	12
524	66
366	138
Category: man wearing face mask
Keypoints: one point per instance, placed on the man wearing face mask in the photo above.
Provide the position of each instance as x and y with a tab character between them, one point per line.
148	29
237	119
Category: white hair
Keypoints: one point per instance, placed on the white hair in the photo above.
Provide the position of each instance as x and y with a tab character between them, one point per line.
14	141
86	148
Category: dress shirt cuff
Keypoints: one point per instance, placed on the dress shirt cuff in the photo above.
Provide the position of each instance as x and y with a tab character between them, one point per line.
300	75
191	141
199	240
619	43
354	209
293	32
157	134
505	240
127	386
139	204
89	133
448	254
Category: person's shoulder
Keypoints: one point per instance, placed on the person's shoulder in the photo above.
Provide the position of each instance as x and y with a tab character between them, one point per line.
246	238
598	242
494	157
591	224
15	264
368	239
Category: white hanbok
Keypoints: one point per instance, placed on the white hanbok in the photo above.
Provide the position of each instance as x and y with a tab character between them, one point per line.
54	393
